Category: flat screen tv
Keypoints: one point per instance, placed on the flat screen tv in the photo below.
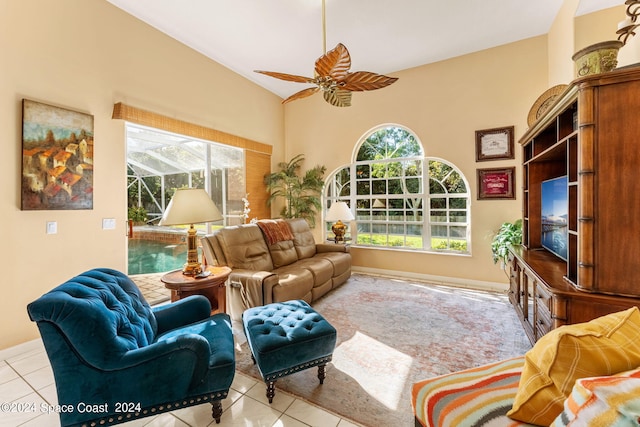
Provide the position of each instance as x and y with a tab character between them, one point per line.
555	207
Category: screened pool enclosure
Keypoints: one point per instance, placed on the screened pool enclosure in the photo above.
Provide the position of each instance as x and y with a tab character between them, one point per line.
159	162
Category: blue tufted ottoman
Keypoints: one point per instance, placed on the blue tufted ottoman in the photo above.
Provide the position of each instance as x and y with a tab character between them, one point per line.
287	337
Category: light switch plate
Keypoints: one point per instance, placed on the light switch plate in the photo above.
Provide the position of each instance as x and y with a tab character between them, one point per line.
52	227
108	223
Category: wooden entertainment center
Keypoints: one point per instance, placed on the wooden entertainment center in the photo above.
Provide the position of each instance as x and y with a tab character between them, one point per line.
591	134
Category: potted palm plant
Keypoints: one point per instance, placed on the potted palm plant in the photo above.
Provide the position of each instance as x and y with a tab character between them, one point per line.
301	194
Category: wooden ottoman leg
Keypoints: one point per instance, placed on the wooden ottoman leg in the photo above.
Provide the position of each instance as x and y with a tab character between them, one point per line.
216	410
321	372
271	390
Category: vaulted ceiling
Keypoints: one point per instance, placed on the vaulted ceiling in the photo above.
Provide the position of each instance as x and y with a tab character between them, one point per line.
383	36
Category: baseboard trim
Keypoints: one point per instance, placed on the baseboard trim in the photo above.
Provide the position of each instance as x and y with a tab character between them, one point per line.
438	280
22	349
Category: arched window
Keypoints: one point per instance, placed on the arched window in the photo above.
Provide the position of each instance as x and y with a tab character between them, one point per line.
384	187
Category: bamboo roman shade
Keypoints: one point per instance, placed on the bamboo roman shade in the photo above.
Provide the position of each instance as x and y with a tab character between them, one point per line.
257	156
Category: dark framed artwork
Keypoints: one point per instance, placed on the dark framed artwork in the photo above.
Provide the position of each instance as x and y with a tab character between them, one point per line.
494	144
57	158
497	183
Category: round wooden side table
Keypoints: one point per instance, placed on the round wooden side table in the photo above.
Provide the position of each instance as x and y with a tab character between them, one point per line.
212	286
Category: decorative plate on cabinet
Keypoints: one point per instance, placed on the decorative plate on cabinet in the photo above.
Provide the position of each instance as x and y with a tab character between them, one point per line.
543	102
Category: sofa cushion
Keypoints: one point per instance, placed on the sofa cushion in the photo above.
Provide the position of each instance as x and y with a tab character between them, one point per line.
321	269
303	239
212	251
283	253
279	240
293	283
244	247
341	261
611	400
604	346
322	272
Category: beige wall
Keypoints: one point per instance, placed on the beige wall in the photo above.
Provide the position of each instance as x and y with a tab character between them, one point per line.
597	27
443	104
562	45
87	55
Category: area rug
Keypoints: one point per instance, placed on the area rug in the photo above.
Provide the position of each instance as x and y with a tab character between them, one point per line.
392	333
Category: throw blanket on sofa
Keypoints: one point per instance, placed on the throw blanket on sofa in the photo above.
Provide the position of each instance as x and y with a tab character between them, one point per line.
275	230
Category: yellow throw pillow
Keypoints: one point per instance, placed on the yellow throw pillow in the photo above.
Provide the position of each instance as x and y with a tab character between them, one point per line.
604	346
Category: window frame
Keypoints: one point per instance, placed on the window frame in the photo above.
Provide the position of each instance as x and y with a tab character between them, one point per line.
158	146
338	190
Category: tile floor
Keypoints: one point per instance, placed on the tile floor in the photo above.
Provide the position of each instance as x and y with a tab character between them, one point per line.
26	380
152	288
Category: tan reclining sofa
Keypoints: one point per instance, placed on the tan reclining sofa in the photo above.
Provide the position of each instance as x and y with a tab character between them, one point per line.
275	261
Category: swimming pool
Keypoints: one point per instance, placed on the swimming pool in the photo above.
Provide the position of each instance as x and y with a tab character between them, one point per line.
148	256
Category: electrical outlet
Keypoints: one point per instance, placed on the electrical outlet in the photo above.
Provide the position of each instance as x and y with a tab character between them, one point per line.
108	223
52	227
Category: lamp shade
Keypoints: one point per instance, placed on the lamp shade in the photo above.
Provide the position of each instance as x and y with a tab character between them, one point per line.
339	211
190	206
378	204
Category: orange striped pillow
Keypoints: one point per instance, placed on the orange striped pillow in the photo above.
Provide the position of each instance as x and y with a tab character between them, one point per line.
611	401
604	346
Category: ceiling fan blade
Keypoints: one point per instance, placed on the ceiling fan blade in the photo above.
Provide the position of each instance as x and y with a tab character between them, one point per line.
335	63
365	80
287	77
302	94
338	97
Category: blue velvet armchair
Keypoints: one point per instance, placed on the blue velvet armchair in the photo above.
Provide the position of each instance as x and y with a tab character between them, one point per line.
115	359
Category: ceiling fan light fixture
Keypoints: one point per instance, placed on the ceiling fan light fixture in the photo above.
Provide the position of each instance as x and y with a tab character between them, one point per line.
333	78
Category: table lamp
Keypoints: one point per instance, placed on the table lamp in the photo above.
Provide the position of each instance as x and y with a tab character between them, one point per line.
191	206
338	212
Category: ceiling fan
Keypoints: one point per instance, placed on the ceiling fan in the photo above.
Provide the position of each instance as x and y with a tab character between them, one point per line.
332	75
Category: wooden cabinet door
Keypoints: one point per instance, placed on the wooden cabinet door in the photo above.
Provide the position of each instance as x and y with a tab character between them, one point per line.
617	223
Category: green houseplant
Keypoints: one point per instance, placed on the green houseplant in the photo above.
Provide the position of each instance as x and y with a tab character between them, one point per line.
508	234
301	194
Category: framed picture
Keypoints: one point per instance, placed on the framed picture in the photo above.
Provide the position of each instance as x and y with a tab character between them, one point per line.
494	144
496	183
57	158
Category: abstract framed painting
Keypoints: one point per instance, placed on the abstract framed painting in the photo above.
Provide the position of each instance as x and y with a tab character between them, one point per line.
57	158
